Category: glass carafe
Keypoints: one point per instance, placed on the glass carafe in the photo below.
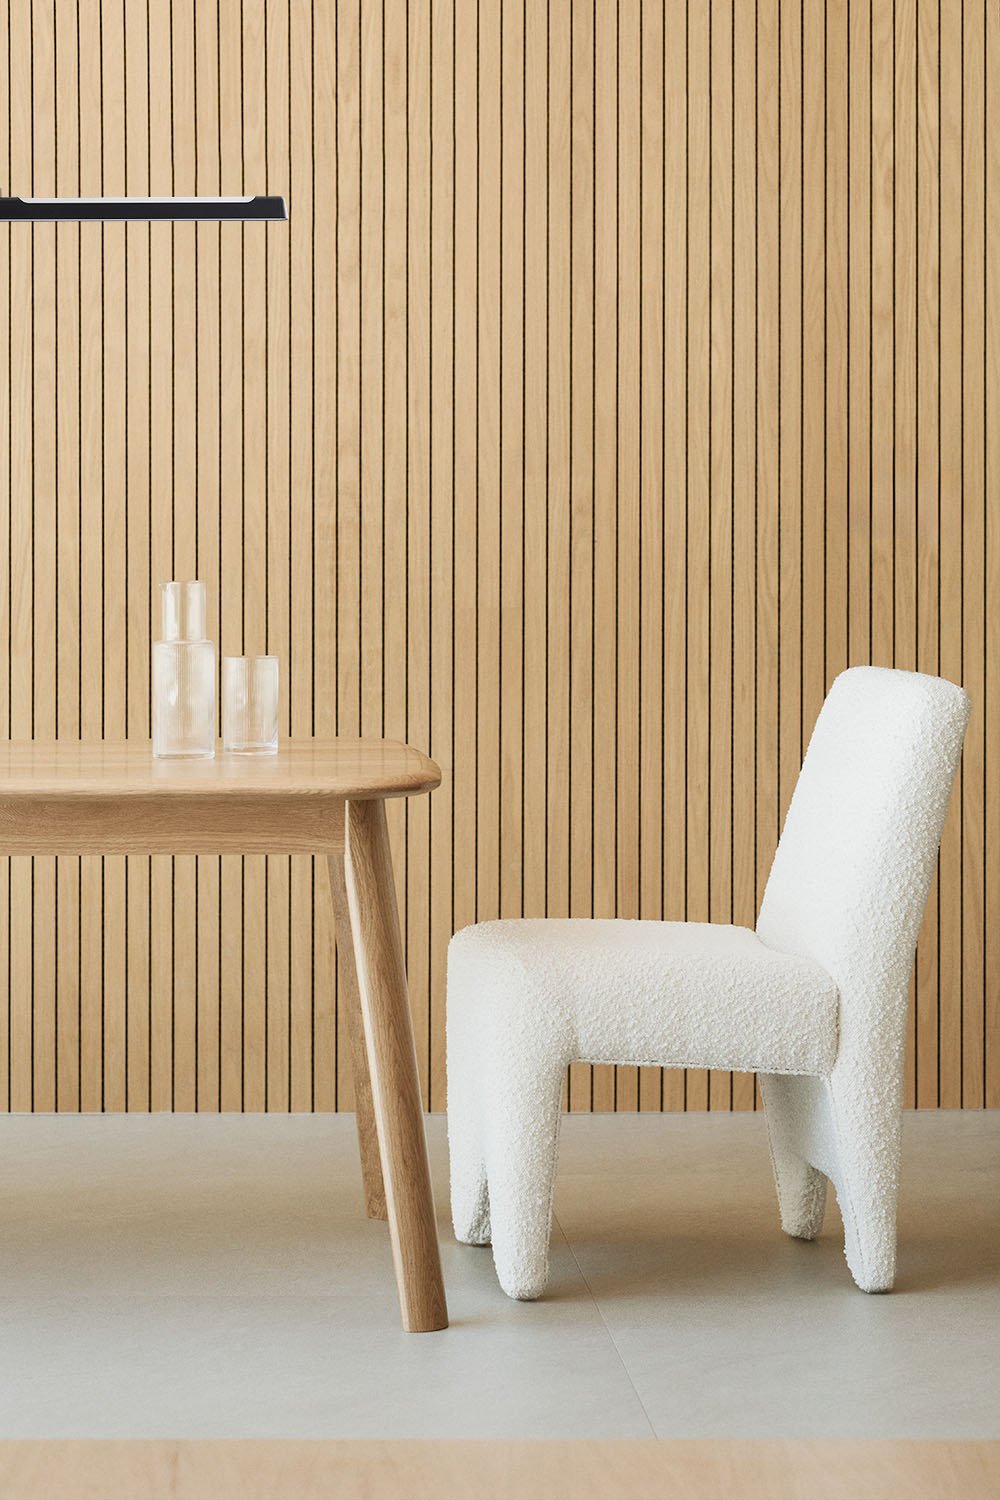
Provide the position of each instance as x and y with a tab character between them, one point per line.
184	676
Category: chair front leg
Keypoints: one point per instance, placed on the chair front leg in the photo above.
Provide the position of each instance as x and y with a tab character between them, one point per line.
521	1147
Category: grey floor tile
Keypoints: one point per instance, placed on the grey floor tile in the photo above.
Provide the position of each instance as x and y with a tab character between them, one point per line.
299	1367
731	1329
175	1277
215	1277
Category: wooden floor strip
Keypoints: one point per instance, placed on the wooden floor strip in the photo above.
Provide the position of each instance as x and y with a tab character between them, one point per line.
672	1470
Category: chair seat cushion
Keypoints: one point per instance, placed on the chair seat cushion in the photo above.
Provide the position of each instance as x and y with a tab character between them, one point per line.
668	994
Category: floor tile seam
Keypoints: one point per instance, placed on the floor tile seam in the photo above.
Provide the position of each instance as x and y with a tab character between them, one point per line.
607	1328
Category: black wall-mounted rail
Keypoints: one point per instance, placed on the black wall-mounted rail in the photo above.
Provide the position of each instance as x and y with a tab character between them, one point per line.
141	210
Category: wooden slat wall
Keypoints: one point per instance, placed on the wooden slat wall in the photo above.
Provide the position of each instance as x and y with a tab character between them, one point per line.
625	370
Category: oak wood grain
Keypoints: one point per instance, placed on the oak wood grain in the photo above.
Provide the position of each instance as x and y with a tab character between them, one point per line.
304	769
73	798
621	373
392	1064
350	1020
675	1469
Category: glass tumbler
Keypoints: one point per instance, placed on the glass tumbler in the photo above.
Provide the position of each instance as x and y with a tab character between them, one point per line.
250	705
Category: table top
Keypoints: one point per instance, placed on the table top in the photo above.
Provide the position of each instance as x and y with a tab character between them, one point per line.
343	768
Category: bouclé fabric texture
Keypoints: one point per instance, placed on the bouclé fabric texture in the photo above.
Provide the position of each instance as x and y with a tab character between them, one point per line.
814	1001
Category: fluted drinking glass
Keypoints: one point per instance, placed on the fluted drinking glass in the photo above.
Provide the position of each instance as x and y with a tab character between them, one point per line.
250	705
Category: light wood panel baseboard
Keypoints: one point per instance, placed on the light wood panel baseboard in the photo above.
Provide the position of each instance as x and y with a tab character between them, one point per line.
622	373
634	1470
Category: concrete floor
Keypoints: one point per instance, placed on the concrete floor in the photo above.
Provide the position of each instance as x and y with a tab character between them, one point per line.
213	1276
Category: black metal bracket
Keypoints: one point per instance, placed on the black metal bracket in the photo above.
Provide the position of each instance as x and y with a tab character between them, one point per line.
142	210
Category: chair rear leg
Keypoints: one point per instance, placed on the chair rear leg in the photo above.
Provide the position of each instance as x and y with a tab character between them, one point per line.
843	1129
789	1108
470	1206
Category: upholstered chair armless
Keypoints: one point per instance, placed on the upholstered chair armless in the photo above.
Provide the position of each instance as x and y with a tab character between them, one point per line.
814	1001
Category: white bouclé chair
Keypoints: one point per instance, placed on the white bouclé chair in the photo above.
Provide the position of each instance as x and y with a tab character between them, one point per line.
815	1001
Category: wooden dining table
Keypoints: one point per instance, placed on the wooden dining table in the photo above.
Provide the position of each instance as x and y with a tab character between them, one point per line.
319	797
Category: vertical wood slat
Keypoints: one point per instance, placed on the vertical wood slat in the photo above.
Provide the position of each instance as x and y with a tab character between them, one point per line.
930	1080
721	494
558	323
858	436
904	394
442	211
767	474
232	632
255	314
675	463
115	633
579	602
91	396
322	1051
973	598
745	507
698	373
183	252
948	363
68	538
207	438
396	293
651	647
6	456
488	458
137	578
628	420
882	353
989	1091
163	931
20	570
606	314
507	699
789	604
348	417
419	397
535	833
461	749
278	541
621	375
299	668
43	560
604	497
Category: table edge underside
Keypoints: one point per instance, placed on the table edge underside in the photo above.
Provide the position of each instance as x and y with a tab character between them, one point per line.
202	823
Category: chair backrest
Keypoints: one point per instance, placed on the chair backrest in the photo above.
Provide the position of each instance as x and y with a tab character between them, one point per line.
852	870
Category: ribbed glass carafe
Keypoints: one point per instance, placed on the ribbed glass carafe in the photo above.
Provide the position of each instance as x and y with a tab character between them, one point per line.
184	676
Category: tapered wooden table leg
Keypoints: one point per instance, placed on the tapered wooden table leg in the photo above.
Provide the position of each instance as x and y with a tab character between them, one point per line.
392	1062
350	1015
